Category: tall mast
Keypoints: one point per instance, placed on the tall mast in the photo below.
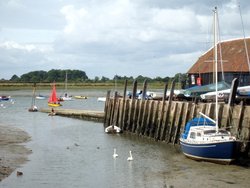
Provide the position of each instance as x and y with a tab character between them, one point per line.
66	81
216	67
245	43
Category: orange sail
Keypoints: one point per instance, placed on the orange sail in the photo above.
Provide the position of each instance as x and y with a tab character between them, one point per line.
53	101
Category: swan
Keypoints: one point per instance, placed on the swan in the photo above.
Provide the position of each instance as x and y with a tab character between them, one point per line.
130	158
115	154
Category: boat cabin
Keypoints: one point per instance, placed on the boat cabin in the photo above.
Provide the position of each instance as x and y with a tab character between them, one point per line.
208	133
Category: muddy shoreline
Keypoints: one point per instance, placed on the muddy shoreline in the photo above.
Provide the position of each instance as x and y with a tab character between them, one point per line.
12	152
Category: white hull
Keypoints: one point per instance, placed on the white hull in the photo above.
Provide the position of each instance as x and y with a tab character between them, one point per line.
113	129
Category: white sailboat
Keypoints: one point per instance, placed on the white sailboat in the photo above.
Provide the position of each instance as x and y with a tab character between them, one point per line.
202	139
65	96
33	107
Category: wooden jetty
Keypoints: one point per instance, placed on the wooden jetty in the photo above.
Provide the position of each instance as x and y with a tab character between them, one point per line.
80	114
164	120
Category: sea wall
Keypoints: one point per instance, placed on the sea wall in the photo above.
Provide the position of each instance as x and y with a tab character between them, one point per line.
165	120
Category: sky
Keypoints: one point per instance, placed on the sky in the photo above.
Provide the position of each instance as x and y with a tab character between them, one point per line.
152	38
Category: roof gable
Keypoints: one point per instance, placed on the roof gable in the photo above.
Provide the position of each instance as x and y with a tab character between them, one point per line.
233	56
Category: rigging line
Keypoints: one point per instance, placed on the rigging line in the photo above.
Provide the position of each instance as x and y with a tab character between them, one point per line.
243	30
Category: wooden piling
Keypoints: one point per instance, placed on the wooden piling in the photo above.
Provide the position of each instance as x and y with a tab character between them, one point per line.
165	120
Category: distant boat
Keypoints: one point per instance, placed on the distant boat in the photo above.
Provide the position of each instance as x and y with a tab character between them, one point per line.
4	98
53	101
101	99
66	97
202	139
33	107
41	97
80	97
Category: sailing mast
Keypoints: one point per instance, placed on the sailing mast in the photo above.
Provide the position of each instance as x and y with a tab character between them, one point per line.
216	68
66	82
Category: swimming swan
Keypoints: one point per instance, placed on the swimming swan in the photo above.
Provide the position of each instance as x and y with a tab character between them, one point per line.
130	158
115	154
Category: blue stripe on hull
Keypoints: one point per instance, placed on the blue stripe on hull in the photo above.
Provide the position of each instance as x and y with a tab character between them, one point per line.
215	151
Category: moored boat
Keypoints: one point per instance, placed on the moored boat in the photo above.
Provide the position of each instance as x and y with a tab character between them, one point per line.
53	101
4	98
33	107
65	96
41	97
113	129
101	99
202	139
80	97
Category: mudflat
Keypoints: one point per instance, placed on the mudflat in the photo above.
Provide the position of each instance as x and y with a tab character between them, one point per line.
12	152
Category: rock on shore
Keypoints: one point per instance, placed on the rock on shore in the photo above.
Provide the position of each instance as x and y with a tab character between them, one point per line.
12	153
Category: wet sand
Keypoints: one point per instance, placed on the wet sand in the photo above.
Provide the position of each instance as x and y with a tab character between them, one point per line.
12	152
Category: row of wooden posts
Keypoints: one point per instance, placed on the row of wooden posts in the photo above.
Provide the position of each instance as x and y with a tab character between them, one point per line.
165	120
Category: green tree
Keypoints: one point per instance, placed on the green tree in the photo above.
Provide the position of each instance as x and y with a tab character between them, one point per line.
14	78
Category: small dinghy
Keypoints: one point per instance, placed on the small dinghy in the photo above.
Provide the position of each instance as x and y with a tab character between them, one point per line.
113	129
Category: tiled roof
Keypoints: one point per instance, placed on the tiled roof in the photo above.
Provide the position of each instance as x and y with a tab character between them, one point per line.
233	56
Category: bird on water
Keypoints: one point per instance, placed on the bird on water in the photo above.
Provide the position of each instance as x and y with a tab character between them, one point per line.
115	154
130	158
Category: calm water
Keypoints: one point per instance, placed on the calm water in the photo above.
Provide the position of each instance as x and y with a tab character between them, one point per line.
75	153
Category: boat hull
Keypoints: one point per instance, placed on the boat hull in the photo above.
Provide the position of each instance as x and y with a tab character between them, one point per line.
219	152
40	97
81	97
32	110
113	129
4	98
54	104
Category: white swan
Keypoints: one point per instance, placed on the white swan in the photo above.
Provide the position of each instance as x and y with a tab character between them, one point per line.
115	154
130	158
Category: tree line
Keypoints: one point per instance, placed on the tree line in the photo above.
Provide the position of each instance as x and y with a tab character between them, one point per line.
51	76
78	76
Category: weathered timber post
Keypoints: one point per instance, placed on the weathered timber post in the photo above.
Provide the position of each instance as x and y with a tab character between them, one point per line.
233	91
126	115
132	107
178	123
149	120
244	131
144	89
113	111
144	118
141	108
106	110
121	121
231	100
186	112
135	115
163	133
160	122
172	117
117	113
154	119
139	117
240	118
134	89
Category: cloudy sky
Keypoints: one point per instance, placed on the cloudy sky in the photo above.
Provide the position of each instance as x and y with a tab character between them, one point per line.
108	37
